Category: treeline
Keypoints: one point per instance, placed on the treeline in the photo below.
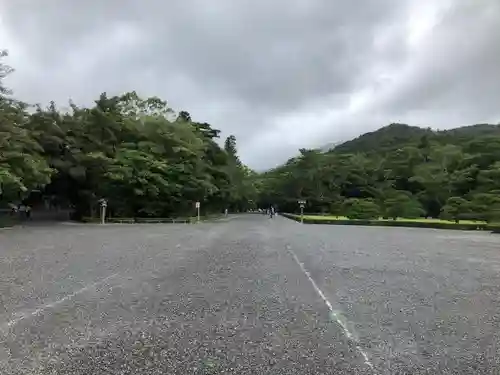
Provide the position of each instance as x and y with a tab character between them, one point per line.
137	153
398	171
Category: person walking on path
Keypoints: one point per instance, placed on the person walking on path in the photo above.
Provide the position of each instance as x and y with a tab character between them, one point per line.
271	212
22	211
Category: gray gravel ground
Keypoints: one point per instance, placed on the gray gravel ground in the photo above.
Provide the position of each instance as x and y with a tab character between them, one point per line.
248	295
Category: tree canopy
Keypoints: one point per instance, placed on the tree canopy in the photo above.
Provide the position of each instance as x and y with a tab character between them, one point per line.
147	160
135	152
397	171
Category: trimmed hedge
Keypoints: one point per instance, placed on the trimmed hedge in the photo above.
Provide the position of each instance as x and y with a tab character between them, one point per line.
163	220
151	220
398	223
8	221
138	220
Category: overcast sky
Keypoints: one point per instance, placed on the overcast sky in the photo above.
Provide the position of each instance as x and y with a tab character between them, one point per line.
280	74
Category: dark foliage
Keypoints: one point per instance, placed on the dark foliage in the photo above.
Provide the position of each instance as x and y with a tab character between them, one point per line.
403	170
137	153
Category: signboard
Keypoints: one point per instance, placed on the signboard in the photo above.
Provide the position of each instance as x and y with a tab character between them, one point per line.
104	204
302	204
197	204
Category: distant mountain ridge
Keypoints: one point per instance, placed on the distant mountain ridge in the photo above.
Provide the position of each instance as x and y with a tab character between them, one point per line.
395	135
396	171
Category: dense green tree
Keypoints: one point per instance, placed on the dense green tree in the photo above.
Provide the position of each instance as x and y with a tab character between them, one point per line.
22	166
135	152
406	171
241	189
230	146
184	116
486	206
403	204
149	161
456	208
5	70
361	209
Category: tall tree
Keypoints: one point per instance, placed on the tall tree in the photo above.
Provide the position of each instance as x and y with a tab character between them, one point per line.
5	70
406	171
230	146
22	166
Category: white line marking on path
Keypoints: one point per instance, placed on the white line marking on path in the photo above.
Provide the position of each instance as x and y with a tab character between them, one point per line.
51	305
336	315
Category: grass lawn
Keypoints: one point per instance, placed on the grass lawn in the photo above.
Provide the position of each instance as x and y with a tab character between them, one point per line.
400	222
418	220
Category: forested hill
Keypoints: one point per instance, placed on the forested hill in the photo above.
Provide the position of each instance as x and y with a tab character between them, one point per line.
397	171
149	161
135	152
384	139
391	137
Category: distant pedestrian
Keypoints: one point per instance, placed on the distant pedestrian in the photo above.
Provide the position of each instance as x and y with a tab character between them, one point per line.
22	211
28	212
13	209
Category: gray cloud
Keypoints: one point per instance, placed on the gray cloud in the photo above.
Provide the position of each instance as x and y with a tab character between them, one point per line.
459	68
279	75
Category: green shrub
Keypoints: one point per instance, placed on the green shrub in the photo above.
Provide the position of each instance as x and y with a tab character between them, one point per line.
403	204
397	223
362	209
486	206
455	209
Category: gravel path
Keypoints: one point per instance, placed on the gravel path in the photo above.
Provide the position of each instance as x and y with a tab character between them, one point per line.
248	295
